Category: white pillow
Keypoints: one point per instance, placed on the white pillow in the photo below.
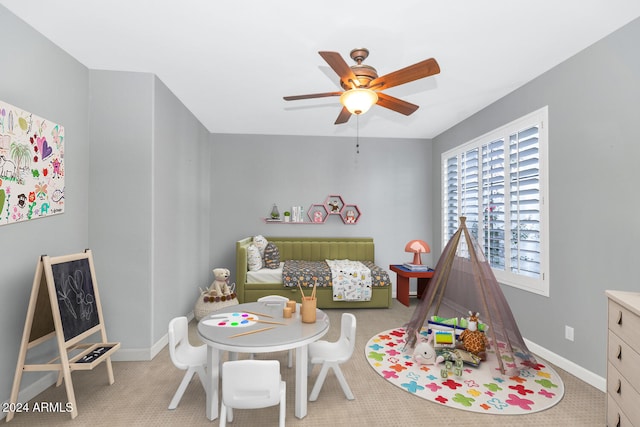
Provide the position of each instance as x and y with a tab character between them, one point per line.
261	243
254	259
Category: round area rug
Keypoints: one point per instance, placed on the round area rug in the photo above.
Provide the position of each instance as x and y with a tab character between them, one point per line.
479	389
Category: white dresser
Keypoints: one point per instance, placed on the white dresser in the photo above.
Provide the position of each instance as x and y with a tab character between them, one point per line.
623	359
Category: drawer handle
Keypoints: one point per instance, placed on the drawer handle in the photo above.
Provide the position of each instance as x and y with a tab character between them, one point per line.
619	322
619	352
619	389
619	423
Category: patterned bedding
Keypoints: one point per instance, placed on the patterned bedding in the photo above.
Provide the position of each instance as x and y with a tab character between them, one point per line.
351	280
300	272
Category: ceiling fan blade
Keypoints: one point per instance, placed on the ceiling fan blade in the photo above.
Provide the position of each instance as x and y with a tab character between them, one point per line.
420	70
342	69
395	104
311	95
343	117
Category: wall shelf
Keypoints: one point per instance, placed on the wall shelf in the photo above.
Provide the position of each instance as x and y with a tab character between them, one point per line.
270	221
350	214
334	204
318	213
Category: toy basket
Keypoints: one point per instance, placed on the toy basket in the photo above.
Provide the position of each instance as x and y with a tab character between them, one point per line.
206	305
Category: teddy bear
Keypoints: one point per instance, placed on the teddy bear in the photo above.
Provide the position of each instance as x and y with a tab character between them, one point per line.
473	340
220	285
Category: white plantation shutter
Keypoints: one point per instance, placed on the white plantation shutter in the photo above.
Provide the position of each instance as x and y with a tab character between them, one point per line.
524	177
452	212
493	203
497	182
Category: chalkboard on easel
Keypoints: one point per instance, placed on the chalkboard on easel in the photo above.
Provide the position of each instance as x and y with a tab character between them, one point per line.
64	305
76	296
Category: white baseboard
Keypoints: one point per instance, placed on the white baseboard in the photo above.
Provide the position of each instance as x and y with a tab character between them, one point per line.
122	355
576	370
34	389
143	354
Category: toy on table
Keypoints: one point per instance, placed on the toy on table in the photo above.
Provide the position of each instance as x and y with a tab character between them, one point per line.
473	340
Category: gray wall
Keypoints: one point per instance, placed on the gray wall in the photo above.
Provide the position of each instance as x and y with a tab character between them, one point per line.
137	180
149	207
594	108
40	78
181	209
120	208
389	180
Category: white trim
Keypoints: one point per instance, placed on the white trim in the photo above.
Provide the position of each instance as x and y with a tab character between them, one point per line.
34	389
542	285
576	370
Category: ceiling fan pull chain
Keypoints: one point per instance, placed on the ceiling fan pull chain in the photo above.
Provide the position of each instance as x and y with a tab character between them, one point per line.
357	133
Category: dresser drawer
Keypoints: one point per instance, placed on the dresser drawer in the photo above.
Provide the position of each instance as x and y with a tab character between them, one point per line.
624	324
626	397
615	417
625	359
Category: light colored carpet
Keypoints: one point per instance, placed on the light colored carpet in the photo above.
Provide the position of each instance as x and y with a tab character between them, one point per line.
142	391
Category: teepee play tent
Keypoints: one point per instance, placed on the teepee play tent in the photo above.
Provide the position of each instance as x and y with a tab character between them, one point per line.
463	282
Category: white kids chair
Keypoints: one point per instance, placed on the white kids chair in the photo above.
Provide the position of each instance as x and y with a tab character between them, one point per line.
279	300
332	354
252	384
185	356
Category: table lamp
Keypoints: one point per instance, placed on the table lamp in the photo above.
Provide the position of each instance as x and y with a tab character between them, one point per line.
417	247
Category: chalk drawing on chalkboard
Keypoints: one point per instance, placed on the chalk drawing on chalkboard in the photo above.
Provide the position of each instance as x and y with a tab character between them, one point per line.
76	296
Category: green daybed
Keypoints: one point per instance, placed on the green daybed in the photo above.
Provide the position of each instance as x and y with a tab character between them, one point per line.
312	249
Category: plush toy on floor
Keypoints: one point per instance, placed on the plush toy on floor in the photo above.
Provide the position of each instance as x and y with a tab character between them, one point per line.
474	340
425	353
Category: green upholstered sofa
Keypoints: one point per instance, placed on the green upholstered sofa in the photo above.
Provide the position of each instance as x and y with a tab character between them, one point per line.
311	249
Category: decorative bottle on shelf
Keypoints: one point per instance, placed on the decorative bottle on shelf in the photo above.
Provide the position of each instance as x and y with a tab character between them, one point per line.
274	212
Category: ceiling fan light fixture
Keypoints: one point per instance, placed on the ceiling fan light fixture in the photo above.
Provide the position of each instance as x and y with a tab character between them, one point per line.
359	100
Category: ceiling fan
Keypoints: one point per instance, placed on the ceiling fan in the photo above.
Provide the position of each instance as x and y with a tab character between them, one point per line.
363	88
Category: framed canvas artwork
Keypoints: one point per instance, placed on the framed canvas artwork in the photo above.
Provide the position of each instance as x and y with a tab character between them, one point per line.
31	166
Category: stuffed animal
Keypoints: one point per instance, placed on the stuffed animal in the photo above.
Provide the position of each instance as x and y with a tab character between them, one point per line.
350	217
220	285
425	353
473	340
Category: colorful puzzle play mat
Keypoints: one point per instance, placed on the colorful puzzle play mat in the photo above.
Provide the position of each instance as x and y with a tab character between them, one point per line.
479	389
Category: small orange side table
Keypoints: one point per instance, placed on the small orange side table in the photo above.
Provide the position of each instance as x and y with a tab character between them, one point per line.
402	281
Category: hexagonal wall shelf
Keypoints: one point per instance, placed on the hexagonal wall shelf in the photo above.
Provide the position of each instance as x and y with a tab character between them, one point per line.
317	213
334	204
350	214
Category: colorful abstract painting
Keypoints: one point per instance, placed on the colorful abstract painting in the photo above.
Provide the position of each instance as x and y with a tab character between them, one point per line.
31	166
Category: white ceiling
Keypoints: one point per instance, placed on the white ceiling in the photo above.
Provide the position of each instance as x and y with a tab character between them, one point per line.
231	62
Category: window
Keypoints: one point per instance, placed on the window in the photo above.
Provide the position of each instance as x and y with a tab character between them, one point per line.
499	183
